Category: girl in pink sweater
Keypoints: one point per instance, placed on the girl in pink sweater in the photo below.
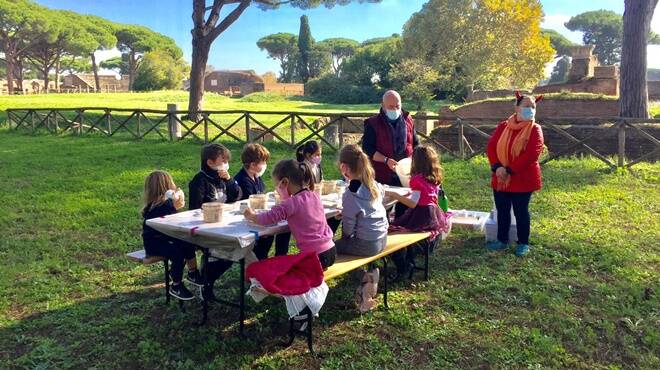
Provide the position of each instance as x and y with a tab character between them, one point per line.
301	207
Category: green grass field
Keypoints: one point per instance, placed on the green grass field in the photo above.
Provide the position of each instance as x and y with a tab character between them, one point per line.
587	296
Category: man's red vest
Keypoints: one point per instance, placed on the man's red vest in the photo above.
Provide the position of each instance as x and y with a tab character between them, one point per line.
385	146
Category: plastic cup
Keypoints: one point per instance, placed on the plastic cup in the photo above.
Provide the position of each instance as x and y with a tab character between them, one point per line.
212	212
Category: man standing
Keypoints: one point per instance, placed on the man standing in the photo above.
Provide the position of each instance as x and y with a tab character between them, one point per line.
389	137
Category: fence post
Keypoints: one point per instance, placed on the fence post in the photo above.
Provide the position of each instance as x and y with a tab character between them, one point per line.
340	129
247	128
173	125
107	119
293	130
461	143
622	143
206	128
34	128
139	119
79	120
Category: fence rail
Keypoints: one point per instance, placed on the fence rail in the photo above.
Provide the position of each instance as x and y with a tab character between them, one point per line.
332	128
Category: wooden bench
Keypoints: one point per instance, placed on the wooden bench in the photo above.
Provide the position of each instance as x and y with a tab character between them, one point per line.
347	263
141	257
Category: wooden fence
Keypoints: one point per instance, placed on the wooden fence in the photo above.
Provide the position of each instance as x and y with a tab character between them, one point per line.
294	128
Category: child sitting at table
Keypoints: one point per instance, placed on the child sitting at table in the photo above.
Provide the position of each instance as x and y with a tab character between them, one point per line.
214	184
311	154
161	198
364	220
301	208
423	213
249	178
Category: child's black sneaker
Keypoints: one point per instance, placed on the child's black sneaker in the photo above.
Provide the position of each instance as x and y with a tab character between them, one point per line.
195	278
179	291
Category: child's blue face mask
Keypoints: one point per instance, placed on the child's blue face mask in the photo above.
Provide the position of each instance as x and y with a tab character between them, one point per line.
527	113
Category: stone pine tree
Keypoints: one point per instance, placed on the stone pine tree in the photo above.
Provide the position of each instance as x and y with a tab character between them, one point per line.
208	24
305	44
633	101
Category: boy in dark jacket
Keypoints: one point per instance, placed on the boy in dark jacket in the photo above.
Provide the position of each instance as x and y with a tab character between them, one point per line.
213	184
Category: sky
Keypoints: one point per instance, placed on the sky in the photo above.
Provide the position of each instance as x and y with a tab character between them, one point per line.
236	48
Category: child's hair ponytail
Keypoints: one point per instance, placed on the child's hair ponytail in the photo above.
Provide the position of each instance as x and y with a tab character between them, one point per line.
360	166
298	173
308	148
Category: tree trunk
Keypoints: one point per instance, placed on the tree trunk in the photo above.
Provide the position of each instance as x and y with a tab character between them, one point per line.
9	60
57	74
18	73
46	78
200	56
95	69
131	70
633	93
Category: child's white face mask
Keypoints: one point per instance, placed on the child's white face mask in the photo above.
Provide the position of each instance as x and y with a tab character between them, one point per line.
222	167
262	170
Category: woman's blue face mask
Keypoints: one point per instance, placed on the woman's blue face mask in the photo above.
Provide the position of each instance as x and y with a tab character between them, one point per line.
527	113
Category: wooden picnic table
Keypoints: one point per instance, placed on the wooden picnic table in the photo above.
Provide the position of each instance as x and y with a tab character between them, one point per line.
233	238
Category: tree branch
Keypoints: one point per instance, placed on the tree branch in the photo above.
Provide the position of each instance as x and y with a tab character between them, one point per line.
229	19
215	13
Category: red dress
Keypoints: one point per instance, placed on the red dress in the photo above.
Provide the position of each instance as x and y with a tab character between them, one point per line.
426	216
525	169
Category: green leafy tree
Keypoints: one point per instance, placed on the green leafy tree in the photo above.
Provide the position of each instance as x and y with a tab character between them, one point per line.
415	80
283	48
320	61
21	23
340	49
372	62
158	70
305	45
135	41
480	43
561	44
118	64
208	24
102	33
604	29
560	70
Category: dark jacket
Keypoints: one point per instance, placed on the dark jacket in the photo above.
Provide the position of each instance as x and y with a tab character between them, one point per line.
394	140
150	234
248	185
206	186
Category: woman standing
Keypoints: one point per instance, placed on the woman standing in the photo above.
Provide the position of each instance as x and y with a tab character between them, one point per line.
513	153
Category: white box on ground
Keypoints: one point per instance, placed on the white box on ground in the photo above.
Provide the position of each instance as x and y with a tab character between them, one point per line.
491	230
472	219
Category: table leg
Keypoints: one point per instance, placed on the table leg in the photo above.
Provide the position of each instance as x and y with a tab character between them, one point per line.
385	283
241	298
205	301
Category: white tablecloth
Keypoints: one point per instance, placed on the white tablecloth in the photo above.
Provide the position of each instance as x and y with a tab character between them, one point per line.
233	237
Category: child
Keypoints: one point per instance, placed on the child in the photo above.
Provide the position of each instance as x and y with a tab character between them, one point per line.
213	184
254	158
303	210
364	220
311	154
162	198
423	213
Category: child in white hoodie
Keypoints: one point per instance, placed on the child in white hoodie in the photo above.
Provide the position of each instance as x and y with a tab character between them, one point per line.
364	219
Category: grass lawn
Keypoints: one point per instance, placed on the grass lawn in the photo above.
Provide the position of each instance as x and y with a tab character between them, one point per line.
588	295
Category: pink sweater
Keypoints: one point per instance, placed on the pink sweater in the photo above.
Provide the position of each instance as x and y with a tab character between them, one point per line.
306	218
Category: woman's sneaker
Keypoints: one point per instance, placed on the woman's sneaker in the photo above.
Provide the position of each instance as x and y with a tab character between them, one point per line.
179	291
195	278
522	249
496	245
